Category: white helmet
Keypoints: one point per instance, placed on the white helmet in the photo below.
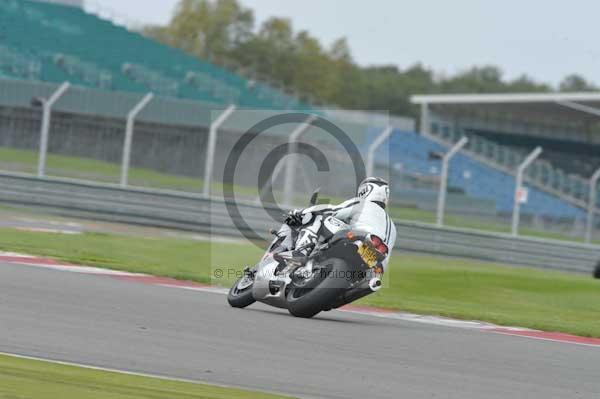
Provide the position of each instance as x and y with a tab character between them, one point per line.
374	189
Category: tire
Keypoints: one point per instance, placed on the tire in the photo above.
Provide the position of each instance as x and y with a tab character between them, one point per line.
240	298
309	300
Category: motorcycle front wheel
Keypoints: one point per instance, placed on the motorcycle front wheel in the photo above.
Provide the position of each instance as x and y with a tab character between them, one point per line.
240	295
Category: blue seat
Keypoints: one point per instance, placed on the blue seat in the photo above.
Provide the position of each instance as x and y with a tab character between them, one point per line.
476	179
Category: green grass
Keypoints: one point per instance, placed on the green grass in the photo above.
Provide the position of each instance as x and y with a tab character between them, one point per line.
33	379
85	168
423	284
505	295
183	259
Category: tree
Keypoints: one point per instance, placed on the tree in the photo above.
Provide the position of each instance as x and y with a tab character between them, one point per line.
524	84
268	52
209	29
223	32
315	73
351	96
296	61
576	82
486	79
340	51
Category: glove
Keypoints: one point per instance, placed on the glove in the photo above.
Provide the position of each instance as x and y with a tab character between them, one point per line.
294	218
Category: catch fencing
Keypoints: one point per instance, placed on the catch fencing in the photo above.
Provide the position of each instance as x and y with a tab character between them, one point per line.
167	136
198	213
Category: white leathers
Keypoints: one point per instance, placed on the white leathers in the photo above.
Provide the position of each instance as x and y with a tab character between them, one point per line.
357	212
366	211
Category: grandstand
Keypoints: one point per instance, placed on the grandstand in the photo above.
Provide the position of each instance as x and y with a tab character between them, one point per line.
503	128
69	44
412	153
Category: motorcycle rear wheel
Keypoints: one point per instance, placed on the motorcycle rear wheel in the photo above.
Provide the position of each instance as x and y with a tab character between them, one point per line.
317	295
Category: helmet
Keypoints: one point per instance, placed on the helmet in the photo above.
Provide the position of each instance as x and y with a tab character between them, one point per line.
374	189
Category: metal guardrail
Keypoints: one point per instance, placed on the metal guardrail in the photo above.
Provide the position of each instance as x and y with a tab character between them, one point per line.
192	212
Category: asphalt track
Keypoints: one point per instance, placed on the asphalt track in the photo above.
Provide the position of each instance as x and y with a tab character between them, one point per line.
125	325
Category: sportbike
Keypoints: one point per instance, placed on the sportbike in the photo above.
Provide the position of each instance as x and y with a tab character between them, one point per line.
343	265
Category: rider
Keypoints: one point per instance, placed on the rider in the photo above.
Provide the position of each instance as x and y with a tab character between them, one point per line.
366	209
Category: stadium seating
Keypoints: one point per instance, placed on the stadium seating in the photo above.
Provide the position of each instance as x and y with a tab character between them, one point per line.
412	152
572	156
547	170
55	43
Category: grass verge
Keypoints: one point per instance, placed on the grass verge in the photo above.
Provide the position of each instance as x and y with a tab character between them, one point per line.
457	288
90	169
24	378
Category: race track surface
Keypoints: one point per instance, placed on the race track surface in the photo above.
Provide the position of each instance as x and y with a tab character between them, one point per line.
106	322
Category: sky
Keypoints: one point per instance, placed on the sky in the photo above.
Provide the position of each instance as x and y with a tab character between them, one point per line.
546	40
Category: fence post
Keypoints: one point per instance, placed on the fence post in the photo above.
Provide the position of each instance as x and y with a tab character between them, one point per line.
374	146
591	206
210	148
518	186
444	179
288	191
425	122
129	136
45	129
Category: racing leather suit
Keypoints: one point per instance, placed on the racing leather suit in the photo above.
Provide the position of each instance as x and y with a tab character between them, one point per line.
355	212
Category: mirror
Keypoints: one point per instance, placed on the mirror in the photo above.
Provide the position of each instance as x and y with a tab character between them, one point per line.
314	197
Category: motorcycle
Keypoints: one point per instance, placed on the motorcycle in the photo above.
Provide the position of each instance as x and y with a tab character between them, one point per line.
343	266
